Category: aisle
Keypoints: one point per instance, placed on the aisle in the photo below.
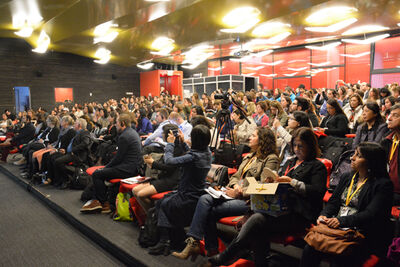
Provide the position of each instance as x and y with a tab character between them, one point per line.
31	235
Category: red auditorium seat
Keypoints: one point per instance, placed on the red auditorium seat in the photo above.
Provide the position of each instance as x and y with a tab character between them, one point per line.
3	138
395	211
221	247
231	171
231	221
159	195
350	135
91	170
241	263
328	164
124	188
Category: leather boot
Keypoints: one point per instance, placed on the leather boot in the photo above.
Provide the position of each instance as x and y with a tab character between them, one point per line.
162	248
192	249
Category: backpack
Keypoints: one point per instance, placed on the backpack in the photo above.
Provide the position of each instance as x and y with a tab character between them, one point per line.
228	156
122	212
342	166
149	234
218	174
333	147
80	179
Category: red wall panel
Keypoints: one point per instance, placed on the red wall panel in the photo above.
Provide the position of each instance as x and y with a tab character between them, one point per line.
387	54
63	94
358	63
230	67
150	83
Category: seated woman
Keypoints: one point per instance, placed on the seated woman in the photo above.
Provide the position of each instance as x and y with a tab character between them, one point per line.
109	139
353	110
284	136
307	178
362	200
167	178
144	125
260	117
374	128
176	210
336	122
276	111
209	210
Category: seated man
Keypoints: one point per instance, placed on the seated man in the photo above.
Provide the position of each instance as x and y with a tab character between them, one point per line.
186	128
125	164
77	152
155	139
25	134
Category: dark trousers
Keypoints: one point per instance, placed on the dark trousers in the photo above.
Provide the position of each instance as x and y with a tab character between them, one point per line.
61	167
257	232
107	174
51	165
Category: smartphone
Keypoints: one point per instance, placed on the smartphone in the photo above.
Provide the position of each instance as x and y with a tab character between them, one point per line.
175	132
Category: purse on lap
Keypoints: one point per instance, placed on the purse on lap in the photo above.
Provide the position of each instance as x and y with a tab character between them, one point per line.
333	241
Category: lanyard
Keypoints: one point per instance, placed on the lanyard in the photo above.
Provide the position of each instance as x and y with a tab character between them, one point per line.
248	166
294	167
394	147
349	195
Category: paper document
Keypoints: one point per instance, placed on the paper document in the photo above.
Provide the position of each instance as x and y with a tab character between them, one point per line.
216	193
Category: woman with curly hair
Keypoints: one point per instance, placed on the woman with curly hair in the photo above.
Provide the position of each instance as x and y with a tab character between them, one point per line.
209	210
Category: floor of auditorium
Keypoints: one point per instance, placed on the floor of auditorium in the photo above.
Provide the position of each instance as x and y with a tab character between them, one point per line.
42	226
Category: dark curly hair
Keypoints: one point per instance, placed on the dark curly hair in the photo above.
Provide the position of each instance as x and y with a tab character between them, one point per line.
266	143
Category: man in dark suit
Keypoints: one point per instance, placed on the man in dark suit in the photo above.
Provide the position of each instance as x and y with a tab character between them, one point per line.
125	164
77	152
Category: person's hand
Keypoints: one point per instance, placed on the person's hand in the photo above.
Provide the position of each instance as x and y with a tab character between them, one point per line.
101	137
148	159
181	136
320	129
171	137
233	193
333	223
61	150
322	219
276	123
49	146
41	141
284	179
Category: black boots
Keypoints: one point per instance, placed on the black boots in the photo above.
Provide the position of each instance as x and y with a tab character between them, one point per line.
162	248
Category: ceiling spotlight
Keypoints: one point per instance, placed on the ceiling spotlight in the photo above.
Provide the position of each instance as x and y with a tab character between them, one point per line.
365	29
331	15
145	65
333	27
103	55
270	28
241	19
25	32
367	40
43	43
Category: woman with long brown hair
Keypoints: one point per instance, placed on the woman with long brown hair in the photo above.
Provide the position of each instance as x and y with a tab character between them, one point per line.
209	210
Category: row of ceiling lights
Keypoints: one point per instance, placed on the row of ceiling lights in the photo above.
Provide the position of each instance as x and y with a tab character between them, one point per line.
239	20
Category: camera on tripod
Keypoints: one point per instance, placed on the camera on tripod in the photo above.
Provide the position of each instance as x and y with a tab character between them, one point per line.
224	97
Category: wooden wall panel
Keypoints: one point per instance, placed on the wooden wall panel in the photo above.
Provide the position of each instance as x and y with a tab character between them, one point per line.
19	66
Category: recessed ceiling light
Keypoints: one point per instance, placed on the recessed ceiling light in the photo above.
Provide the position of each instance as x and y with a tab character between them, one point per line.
323	47
356	55
43	43
270	28
24	32
103	55
330	15
240	16
145	65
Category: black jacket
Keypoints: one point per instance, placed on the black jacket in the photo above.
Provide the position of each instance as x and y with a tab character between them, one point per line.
128	158
81	145
313	174
64	140
375	134
111	134
386	143
26	134
49	135
374	211
336	125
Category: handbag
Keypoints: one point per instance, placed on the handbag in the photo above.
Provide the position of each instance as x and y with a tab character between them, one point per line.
333	241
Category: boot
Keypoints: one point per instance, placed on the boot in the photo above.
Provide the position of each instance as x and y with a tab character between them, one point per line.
162	248
192	249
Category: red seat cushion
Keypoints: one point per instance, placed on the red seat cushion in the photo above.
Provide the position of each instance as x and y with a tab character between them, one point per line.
231	221
123	188
114	181
289	239
231	171
3	138
372	261
91	170
241	263
350	135
159	195
221	247
395	211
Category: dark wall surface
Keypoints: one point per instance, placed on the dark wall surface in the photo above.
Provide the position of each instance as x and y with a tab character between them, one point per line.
19	66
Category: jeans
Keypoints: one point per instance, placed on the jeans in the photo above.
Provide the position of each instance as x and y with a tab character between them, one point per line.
208	211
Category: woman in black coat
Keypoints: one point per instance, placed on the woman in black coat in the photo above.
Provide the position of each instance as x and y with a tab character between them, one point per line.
374	128
307	177
362	201
336	123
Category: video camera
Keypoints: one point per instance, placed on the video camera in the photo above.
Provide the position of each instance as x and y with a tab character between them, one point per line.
226	102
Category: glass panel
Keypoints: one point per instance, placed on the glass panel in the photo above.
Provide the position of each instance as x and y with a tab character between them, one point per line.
292	63
380	80
230	67
387	54
261	68
326	77
214	68
328	57
357	63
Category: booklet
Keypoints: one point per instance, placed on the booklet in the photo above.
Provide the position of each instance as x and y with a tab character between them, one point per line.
216	193
135	180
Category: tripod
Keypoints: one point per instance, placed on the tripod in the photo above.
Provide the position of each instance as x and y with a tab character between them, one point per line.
223	119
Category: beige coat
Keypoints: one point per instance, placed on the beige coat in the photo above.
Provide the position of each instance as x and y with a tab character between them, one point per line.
244	131
258	169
